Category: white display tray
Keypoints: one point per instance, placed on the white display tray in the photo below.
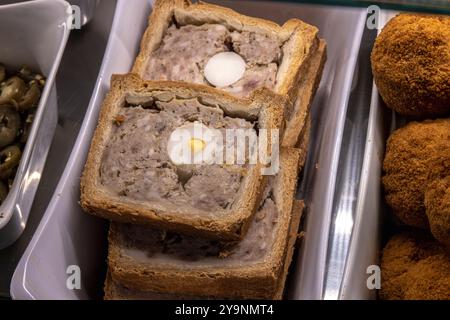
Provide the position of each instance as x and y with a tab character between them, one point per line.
365	245
67	236
37	43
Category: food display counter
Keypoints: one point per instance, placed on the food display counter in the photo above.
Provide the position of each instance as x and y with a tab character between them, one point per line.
98	208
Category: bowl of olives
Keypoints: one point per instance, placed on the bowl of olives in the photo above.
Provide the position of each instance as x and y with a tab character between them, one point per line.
19	97
33	36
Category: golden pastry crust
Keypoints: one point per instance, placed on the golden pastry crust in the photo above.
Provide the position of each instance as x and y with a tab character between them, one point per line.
303	144
296	119
416	155
267	109
261	280
299	73
297	214
300	38
411	65
116	291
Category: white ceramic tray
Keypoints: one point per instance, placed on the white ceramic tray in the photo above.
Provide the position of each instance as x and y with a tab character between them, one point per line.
364	250
33	34
66	236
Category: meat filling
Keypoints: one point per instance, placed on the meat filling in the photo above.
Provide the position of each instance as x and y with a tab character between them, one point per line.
136	163
166	247
185	51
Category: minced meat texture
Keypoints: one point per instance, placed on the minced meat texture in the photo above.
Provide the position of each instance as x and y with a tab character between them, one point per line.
157	246
254	78
256	48
136	164
185	51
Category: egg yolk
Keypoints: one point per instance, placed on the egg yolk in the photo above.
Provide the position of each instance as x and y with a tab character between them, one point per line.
197	145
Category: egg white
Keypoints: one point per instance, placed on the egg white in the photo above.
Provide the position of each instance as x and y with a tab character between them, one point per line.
194	143
224	69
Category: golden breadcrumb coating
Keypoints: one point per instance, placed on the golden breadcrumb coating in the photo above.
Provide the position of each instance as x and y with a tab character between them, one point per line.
416	155
415	267
411	65
437	203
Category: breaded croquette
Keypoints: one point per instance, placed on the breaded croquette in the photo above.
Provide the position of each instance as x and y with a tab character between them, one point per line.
411	65
415	267
416	155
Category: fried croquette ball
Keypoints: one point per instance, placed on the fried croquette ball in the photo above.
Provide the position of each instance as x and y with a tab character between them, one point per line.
411	65
414	267
437	204
416	155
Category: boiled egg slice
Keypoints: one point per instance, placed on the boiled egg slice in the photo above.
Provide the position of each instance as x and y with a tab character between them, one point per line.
193	143
224	69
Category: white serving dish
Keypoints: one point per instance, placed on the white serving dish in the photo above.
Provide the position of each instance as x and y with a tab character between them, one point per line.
365	244
66	236
33	34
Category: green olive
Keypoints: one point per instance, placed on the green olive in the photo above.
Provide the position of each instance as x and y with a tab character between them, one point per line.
9	158
26	74
3	192
13	89
2	73
31	98
29	77
9	125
